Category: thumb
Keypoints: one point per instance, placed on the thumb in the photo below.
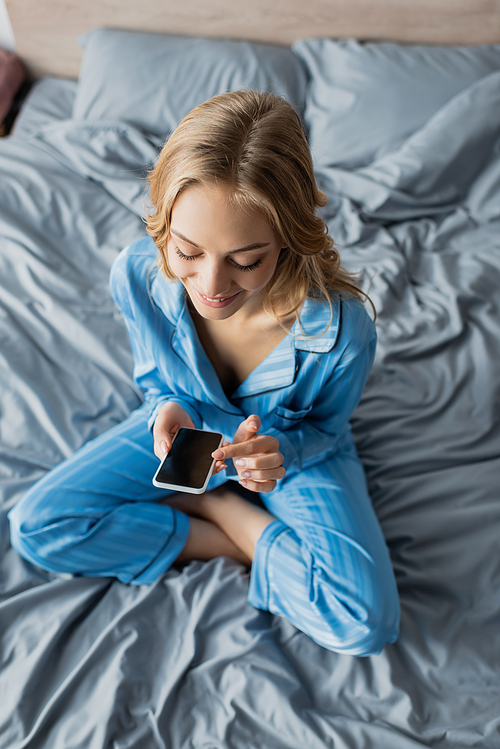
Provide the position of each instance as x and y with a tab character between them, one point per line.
163	433
247	429
163	440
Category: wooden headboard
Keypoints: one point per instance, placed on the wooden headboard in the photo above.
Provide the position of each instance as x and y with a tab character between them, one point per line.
46	30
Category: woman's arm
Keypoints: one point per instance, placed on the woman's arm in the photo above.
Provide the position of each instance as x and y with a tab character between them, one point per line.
315	437
129	276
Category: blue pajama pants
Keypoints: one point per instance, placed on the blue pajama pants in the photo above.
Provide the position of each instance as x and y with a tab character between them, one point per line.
323	564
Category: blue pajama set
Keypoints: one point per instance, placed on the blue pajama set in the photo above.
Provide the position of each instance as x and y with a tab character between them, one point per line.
323	563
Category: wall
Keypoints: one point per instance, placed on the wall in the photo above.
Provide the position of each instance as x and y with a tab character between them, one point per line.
46	30
6	35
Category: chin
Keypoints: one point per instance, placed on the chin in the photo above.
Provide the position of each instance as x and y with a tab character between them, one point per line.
209	313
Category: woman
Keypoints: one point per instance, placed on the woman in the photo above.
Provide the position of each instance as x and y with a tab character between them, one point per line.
248	325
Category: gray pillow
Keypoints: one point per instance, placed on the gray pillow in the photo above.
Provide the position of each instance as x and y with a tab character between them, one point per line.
151	81
365	100
50	100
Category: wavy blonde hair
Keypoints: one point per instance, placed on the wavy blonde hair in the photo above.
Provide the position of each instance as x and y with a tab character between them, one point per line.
254	143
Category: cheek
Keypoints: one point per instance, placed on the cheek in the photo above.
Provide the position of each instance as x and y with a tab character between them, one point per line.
252	280
260	280
266	273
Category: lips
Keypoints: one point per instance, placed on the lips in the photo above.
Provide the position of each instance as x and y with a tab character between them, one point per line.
216	299
216	302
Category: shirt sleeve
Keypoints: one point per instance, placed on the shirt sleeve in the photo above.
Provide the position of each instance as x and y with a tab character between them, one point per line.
146	374
317	434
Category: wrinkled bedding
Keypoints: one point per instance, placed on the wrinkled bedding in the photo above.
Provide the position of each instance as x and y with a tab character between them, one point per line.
186	662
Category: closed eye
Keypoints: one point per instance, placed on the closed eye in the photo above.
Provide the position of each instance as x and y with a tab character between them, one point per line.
185	257
253	266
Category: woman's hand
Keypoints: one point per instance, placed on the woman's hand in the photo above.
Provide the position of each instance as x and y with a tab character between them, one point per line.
171	417
256	457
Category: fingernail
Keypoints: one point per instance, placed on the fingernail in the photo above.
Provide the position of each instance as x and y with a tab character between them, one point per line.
221	468
253	425
243	482
163	446
240	462
218	454
247	474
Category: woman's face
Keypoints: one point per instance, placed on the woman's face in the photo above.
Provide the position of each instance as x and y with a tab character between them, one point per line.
224	254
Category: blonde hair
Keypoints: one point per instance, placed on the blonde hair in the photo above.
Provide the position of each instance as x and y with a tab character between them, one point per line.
254	143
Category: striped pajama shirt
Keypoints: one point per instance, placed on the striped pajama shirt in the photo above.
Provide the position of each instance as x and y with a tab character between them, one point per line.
323	563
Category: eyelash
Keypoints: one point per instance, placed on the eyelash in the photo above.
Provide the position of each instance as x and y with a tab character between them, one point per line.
253	266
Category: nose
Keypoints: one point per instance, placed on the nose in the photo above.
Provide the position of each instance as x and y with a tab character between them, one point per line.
213	279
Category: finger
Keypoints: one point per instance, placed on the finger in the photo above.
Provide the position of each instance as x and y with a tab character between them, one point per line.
273	474
258	486
261	443
162	445
170	419
259	462
160	449
219	466
163	435
247	429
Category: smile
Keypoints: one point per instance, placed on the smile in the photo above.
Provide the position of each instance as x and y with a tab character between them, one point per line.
216	299
220	301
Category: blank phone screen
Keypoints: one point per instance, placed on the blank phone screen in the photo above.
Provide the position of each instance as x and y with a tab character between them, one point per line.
190	458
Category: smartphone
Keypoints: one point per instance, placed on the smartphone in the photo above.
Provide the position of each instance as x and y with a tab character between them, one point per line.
188	466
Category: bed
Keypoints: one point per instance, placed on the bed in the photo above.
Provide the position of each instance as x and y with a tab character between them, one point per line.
406	144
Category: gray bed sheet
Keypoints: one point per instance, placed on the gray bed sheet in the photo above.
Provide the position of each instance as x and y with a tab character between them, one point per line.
186	662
